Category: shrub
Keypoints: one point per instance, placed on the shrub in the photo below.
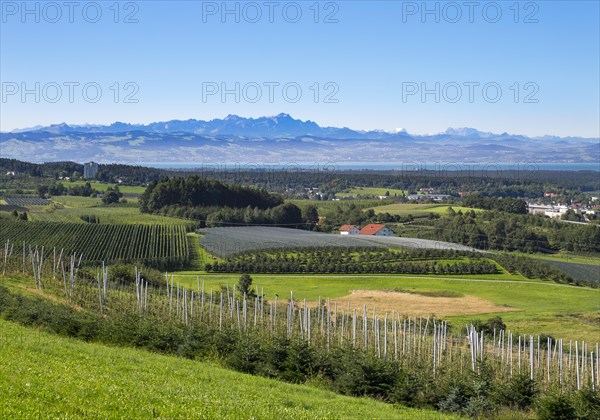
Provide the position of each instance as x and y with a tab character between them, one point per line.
519	392
587	404
456	400
556	407
366	376
488	326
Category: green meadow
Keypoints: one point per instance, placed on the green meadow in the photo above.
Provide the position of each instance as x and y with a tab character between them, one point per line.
419	210
47	376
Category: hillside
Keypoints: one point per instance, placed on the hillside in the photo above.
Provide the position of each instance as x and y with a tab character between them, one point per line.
51	376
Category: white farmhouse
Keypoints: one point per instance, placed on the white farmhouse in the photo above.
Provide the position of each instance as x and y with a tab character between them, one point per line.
349	230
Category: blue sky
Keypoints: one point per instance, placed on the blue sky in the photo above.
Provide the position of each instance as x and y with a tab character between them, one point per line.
368	61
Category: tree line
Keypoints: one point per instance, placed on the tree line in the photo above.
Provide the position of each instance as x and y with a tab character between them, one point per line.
511	232
57	189
358	260
508	205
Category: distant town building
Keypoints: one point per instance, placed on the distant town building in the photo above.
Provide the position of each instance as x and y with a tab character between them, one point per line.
349	230
434	197
90	169
550	194
547	210
375	229
556	212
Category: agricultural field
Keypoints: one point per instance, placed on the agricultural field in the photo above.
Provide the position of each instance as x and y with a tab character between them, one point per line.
24	201
52	376
527	306
578	271
420	210
224	242
566	257
151	244
74	201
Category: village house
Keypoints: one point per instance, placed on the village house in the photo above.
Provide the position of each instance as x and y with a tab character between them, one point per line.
349	230
375	229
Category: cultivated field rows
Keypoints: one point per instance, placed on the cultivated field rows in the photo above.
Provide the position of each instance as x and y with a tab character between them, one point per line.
228	241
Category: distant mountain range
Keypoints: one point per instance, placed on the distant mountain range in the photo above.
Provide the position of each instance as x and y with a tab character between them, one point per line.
277	126
281	138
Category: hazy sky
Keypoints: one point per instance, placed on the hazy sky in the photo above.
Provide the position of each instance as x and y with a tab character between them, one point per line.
521	67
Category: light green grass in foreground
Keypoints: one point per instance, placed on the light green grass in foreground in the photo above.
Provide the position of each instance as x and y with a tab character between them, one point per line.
45	376
537	306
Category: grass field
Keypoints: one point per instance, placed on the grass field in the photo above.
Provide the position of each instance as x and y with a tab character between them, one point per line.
106	214
68	209
535	306
46	376
419	210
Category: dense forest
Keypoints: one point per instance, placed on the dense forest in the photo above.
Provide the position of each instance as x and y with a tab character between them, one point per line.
213	203
197	192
